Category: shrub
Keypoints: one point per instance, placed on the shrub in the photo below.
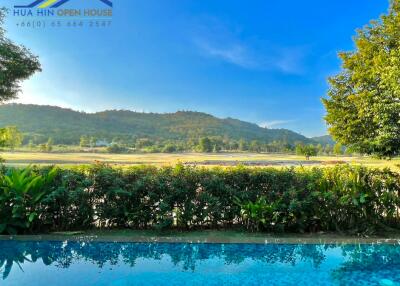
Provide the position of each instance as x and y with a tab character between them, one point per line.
169	148
21	192
117	149
342	198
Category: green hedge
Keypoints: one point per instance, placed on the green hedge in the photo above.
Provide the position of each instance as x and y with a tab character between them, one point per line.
342	198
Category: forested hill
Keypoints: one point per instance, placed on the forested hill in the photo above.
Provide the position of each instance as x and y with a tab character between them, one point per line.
324	140
66	126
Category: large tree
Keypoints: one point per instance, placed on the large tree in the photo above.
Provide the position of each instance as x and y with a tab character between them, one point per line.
17	63
205	145
363	108
306	150
10	137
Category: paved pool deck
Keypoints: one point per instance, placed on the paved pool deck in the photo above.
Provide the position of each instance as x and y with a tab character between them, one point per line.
206	236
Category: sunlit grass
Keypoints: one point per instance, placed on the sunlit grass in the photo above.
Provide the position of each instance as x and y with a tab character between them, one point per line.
160	159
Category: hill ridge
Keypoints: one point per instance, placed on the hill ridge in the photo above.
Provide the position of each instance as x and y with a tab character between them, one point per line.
66	125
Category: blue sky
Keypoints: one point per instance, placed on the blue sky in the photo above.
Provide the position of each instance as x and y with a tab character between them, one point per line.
260	61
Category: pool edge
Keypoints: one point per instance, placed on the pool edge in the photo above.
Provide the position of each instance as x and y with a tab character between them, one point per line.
210	239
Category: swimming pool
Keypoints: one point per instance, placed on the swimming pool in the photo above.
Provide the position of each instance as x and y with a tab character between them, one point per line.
81	263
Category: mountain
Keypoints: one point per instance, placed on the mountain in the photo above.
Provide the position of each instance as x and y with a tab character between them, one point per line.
324	140
66	126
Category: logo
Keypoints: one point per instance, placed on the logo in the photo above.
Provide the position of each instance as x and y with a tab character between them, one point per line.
54	13
45	4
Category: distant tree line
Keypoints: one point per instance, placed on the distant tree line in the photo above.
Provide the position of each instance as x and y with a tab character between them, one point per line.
211	145
203	144
314	150
11	138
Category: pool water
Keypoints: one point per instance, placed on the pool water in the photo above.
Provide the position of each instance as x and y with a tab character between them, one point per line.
126	264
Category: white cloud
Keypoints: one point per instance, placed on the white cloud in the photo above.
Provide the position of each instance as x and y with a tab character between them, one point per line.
215	40
274	123
289	60
234	53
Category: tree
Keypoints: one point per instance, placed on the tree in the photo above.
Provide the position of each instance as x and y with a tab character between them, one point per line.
10	137
243	146
320	149
217	148
92	142
49	145
43	147
328	149
16	64
363	108
349	151
117	149
169	148
306	150
143	142
233	145
2	137
84	141
205	145
338	149
31	144
255	146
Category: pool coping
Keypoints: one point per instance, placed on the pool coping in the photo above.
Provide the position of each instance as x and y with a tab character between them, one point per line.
219	238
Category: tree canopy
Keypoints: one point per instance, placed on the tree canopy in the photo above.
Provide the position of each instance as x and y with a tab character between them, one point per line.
17	63
10	137
363	108
306	150
67	127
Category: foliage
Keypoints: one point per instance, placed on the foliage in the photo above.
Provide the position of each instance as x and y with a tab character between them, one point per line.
49	145
2	166
139	130
43	147
84	141
338	149
148	132
16	64
343	198
21	192
117	149
169	148
363	108
306	150
205	145
10	137
259	214
324	140
359	199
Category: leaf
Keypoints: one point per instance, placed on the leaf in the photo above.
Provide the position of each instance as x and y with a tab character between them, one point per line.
2	228
11	230
7	269
38	197
32	217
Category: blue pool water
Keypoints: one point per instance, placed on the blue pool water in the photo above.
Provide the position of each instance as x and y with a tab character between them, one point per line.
126	264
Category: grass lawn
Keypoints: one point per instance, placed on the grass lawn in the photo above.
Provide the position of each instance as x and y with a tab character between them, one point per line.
160	159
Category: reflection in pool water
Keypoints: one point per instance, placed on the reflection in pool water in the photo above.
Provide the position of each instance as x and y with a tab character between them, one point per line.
126	264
